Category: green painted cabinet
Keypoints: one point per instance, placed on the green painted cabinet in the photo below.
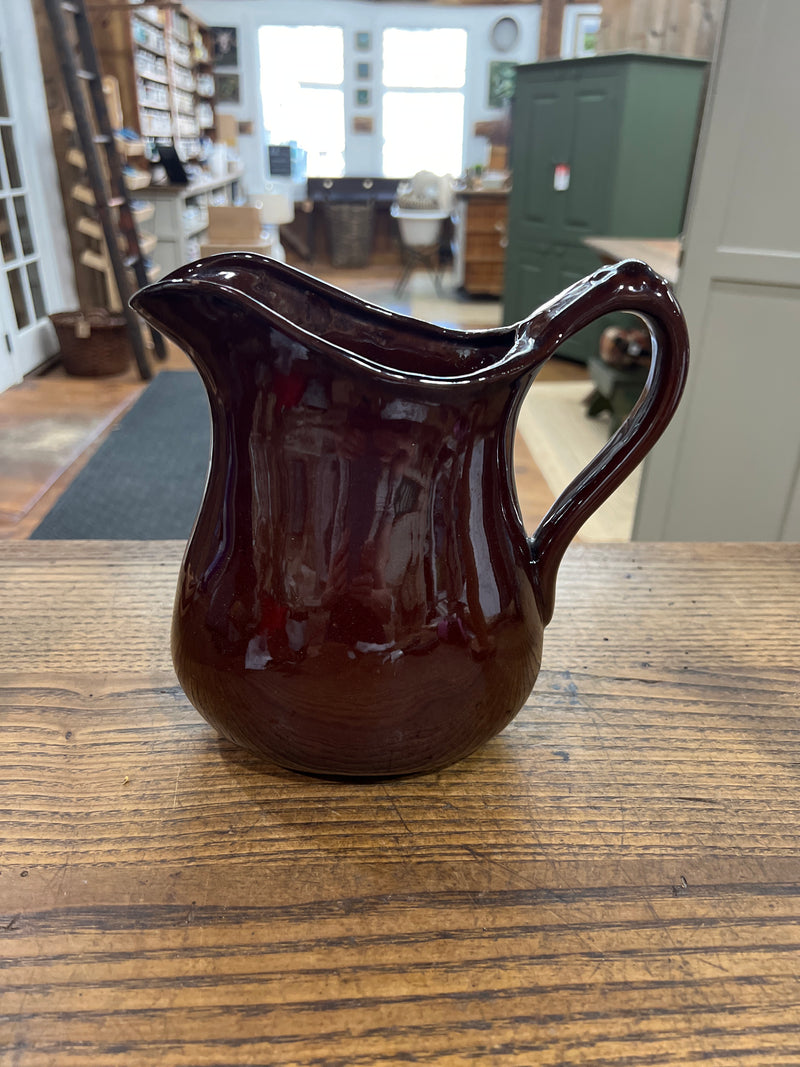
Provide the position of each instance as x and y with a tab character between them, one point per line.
600	146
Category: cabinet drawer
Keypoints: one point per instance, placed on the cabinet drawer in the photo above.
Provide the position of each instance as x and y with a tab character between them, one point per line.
485	246
485	217
484	278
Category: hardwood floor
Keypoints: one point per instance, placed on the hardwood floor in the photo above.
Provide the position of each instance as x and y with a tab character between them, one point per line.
51	426
35	418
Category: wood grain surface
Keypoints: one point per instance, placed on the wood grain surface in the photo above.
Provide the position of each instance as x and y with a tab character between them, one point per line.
613	880
663	255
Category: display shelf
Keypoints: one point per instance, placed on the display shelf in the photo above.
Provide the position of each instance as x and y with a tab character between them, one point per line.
179	239
150	16
143	214
192	231
160	52
147	243
155	62
149	76
128	148
135	182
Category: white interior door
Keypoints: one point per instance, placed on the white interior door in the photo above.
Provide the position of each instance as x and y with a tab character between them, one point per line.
728	468
27	335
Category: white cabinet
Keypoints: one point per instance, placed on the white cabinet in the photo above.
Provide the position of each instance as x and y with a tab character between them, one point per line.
180	216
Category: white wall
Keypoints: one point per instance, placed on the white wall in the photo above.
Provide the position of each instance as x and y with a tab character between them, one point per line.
363	155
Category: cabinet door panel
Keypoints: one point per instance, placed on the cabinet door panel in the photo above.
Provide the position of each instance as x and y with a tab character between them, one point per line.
528	281
541	139
536	273
570	264
584	206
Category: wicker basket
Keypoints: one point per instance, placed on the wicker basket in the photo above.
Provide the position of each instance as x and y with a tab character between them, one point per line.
350	232
93	344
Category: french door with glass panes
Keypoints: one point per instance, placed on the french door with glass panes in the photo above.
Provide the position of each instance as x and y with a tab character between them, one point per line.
26	336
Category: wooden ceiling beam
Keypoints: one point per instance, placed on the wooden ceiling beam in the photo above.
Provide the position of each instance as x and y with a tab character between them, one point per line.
552	20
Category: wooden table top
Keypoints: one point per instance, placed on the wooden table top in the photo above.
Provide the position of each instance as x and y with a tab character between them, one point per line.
613	880
662	254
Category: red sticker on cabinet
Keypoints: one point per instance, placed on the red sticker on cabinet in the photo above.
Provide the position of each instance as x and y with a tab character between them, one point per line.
561	177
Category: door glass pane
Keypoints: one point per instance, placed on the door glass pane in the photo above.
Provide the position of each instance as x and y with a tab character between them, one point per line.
10	153
22	281
15	284
6	237
24	226
36	291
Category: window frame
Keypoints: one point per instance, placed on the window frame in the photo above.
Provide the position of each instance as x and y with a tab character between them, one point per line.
363	149
364	153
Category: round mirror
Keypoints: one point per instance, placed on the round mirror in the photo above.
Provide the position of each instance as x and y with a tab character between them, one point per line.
505	34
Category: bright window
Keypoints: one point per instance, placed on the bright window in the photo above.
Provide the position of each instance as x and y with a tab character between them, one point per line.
422	131
424	59
302	69
423	101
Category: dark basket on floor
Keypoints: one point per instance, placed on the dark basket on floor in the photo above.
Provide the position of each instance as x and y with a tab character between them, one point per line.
94	344
350	232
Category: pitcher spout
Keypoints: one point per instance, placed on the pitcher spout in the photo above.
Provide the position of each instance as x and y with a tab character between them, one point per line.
197	318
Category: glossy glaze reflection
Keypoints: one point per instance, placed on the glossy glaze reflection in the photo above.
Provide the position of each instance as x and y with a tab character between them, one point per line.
358	596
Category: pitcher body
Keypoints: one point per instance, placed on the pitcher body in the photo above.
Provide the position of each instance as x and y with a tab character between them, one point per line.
358	596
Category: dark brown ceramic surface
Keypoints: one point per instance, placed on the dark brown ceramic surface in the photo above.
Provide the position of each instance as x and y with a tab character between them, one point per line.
358	596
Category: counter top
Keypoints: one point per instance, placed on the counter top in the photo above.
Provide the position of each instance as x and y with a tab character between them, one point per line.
466	193
663	254
201	185
613	880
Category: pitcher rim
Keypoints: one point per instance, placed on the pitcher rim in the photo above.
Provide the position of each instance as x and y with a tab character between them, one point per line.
518	350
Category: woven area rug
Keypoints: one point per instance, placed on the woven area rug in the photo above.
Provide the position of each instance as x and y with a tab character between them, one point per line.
562	440
146	480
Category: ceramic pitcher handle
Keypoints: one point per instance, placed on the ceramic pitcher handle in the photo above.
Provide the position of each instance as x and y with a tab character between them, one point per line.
629	286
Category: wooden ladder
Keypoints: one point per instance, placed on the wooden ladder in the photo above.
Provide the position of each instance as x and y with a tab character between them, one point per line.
93	129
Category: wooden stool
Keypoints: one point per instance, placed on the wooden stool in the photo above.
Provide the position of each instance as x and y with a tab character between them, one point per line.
615	390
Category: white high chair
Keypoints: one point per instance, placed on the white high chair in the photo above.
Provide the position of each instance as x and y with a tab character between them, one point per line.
421	208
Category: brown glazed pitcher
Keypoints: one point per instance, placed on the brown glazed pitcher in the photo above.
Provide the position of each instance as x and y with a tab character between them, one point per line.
358	596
